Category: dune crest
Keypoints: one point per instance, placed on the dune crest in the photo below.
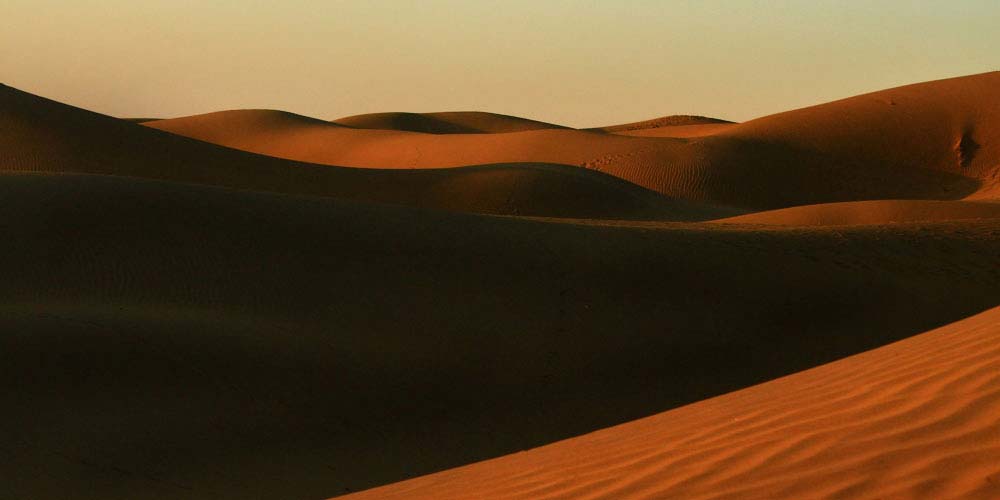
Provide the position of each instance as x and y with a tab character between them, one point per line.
663	121
41	135
447	122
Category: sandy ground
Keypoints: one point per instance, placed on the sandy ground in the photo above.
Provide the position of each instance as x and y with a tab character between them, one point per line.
916	419
936	140
273	306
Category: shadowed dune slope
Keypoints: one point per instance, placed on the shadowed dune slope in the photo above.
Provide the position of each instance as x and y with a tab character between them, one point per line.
950	125
249	123
915	419
44	136
661	122
872	212
679	131
448	122
937	140
164	340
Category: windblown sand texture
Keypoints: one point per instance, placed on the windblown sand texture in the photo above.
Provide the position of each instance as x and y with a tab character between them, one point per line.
258	304
916	419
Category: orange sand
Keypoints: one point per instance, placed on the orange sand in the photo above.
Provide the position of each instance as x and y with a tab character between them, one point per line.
935	140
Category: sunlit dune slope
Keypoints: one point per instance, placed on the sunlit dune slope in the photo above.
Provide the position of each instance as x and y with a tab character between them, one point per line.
448	122
44	136
872	212
936	140
165	340
915	419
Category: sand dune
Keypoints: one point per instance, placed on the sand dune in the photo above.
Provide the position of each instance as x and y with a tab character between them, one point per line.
678	131
916	419
662	122
949	125
670	126
872	212
190	341
211	316
40	135
449	122
679	168
936	140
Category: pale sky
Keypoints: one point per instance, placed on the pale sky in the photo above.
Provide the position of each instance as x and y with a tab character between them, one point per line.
578	63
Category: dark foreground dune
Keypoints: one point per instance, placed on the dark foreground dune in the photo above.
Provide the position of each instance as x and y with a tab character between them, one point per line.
872	212
180	319
168	341
915	419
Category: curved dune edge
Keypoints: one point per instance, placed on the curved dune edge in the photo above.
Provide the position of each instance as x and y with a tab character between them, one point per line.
447	122
936	140
45	136
871	212
916	419
662	122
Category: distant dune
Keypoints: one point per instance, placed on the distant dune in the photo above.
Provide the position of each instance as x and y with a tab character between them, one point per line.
670	126
259	304
678	131
44	136
915	419
453	122
936	140
661	122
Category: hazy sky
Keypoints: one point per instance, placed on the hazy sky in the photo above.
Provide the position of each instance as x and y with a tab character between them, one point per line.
578	63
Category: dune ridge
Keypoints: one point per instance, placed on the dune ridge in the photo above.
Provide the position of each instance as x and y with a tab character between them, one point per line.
916	419
447	122
937	140
44	136
663	121
678	131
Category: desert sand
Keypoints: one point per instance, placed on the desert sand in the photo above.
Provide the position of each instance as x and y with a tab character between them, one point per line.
44	136
935	140
258	304
916	419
